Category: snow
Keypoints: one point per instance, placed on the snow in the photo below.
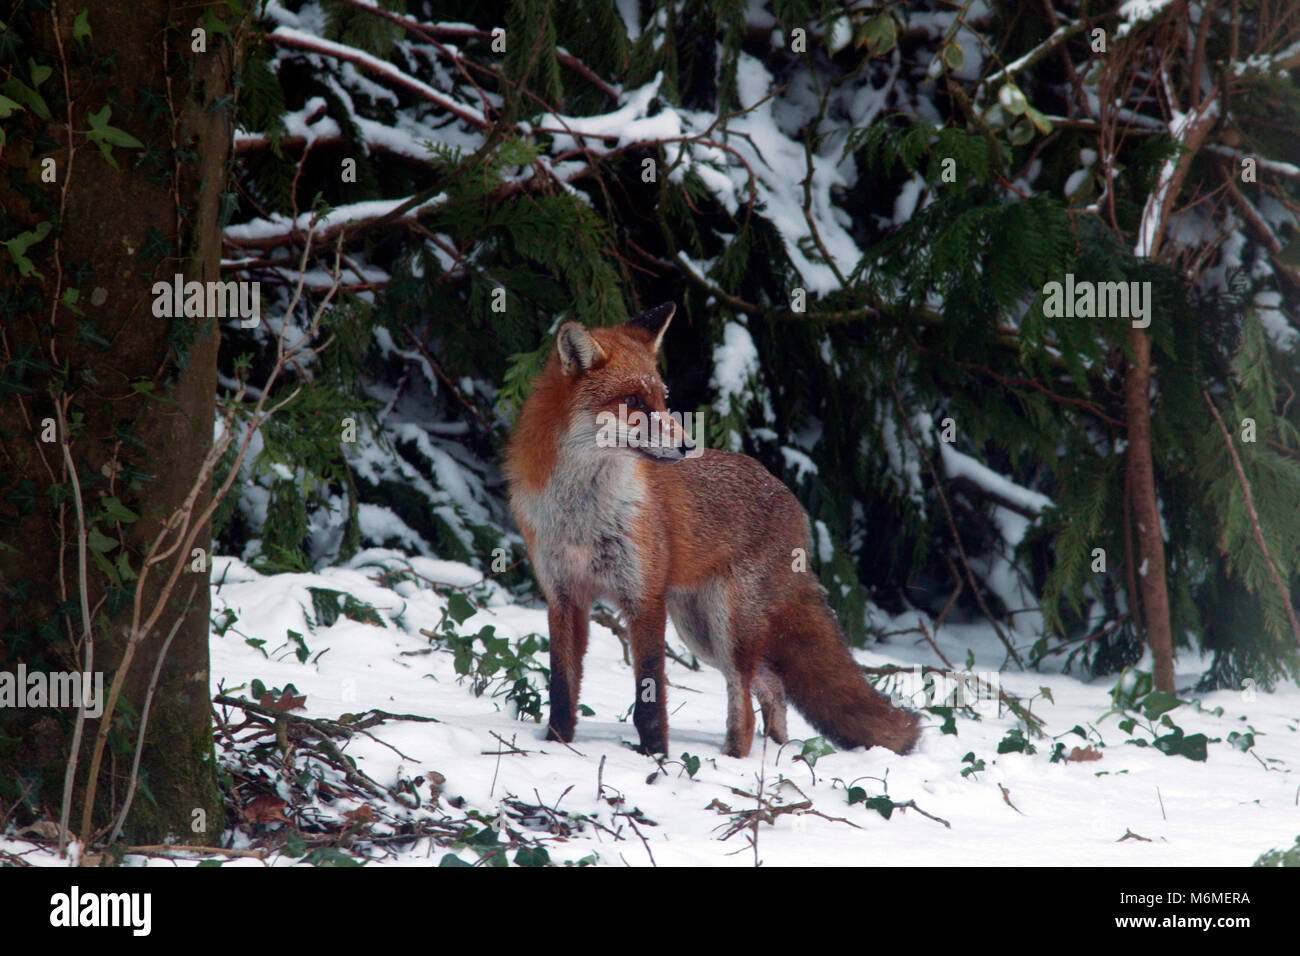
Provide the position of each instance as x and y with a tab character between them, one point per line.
1278	328
1223	811
797	462
627	124
1136	12
630	11
277	224
958	464
735	363
317	44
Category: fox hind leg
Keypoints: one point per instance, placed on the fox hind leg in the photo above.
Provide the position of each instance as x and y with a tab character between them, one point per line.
740	715
771	698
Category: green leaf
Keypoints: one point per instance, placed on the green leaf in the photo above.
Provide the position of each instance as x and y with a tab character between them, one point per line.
1022	132
879	34
81	25
70	297
99	542
953	56
7	106
105	136
460	608
39	72
329	856
1012	99
452	860
882	805
1041	122
815	748
123	565
1193	747
20	91
107	568
1159	702
532	856
1015	742
19	245
119	512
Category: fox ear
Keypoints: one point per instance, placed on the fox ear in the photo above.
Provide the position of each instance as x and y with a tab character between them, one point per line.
655	322
578	350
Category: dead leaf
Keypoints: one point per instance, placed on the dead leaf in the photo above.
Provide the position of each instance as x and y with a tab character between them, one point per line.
286	703
360	816
265	808
1081	754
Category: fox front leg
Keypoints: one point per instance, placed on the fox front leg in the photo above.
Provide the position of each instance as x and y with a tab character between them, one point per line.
650	712
568	632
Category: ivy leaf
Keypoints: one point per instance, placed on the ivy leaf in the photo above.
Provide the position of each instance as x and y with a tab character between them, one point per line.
81	25
99	542
1158	703
460	608
814	748
39	72
123	565
18	90
119	512
532	856
19	245
105	136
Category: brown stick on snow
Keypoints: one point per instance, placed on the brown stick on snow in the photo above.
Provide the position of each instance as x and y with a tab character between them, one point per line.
1254	519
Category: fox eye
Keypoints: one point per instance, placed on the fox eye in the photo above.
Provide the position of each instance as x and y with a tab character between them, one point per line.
634	402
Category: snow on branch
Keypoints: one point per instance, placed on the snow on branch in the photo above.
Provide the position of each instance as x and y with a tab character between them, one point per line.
299	40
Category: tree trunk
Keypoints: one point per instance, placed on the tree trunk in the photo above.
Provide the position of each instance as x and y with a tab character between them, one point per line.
1146	515
138	389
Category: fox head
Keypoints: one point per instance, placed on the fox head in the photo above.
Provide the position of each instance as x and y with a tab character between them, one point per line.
618	399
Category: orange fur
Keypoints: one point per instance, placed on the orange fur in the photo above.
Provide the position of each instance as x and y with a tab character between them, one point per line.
711	539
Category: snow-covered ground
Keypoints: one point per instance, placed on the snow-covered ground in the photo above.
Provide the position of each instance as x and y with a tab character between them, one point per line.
1134	805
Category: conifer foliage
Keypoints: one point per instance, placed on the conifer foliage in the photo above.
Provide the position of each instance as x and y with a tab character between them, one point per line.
919	252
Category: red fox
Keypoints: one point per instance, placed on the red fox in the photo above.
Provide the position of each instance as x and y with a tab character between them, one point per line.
663	528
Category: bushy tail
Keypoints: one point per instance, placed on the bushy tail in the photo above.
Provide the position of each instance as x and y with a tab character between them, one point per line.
825	684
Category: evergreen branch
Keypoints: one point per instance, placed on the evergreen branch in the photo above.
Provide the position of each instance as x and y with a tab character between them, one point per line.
297	40
429	32
952	527
1257	225
1021	382
437	369
1254	519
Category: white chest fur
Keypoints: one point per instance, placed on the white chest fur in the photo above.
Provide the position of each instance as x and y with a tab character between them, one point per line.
583	520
